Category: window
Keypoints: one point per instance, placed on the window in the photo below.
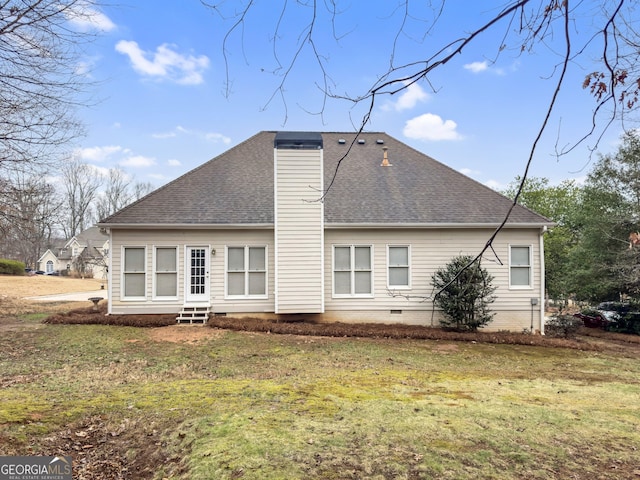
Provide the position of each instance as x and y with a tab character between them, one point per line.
49	266
134	277
398	264
166	272
352	271
520	267
246	271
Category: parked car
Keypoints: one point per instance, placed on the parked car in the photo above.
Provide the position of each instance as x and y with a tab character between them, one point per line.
593	319
613	310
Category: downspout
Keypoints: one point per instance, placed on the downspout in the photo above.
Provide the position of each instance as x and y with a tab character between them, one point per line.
543	302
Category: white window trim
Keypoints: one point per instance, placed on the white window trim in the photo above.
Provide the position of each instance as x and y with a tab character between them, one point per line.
246	272
123	297
155	296
352	271
521	287
399	287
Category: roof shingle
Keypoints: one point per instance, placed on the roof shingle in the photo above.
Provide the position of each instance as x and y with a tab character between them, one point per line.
236	188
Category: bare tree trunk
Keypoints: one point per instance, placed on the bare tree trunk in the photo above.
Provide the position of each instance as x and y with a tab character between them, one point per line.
81	184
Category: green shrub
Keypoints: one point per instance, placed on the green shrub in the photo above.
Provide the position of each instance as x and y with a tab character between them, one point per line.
562	326
464	294
627	323
11	267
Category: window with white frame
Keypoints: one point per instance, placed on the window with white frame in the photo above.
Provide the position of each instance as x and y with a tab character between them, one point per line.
166	272
520	266
247	271
352	270
49	266
134	276
398	266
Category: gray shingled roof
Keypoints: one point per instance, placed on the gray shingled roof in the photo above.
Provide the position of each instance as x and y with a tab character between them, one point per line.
237	188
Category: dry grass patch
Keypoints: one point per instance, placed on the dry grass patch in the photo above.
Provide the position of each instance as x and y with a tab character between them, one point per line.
35	285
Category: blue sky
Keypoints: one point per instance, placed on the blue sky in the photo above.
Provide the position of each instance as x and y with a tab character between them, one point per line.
163	103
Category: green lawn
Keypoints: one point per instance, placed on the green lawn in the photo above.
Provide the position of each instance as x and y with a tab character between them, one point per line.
262	406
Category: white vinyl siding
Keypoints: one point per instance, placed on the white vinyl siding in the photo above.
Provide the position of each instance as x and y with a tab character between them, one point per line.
299	231
520	266
166	272
398	264
352	271
134	273
246	271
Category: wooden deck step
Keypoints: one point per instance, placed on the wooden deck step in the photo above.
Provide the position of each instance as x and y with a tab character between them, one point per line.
196	314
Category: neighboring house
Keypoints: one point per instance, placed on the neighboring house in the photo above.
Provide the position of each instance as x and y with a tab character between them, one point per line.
250	233
85	254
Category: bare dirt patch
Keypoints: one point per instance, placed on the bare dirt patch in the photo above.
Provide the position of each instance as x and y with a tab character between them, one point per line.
190	334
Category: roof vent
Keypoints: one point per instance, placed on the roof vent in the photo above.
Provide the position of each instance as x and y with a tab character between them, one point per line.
361	141
385	159
379	141
342	141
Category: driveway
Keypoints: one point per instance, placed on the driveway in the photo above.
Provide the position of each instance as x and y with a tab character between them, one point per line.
70	297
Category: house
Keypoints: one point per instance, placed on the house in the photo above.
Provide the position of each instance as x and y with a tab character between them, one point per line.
85	254
271	228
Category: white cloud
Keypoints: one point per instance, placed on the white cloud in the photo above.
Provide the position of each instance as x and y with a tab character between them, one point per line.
98	154
408	99
431	127
207	136
86	18
165	63
477	67
495	185
217	137
157	176
138	161
484	66
173	162
164	135
468	172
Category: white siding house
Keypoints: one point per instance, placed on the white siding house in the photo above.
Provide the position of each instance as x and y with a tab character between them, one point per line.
273	228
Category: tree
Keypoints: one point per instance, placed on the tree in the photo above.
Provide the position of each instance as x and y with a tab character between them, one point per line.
119	192
558	203
80	185
29	207
41	83
602	264
464	294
